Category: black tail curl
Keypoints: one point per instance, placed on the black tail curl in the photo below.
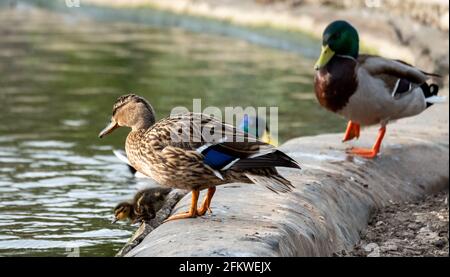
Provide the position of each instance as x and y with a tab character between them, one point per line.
429	91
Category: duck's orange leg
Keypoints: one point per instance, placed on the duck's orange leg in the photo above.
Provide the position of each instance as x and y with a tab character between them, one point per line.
207	202
352	131
370	153
192	211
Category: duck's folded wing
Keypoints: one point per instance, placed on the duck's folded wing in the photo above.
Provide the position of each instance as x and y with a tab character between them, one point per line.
193	131
399	78
219	144
395	69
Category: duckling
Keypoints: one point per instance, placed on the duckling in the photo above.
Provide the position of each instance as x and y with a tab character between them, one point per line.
177	152
368	89
143	207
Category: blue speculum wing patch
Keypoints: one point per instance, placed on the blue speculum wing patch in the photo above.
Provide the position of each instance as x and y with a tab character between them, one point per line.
216	159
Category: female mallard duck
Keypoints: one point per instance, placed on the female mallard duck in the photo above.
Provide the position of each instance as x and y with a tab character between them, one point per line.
254	126
144	206
367	89
195	151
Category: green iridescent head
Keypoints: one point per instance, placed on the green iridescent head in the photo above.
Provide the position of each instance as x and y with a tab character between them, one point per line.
339	38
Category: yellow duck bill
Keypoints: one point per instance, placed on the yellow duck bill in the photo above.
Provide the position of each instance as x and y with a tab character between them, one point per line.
324	58
112	125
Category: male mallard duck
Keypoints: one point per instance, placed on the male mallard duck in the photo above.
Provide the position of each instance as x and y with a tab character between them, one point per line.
257	127
195	151
367	89
144	206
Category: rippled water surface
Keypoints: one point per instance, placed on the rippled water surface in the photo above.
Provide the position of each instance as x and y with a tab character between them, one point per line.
60	74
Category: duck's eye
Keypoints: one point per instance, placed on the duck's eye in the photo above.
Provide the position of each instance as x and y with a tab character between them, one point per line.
336	36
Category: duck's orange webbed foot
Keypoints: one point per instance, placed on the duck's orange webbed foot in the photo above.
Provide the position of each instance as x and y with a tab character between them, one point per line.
370	153
353	130
363	152
192	211
206	205
181	216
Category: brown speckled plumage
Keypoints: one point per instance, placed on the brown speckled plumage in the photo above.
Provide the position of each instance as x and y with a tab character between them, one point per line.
158	150
144	205
194	151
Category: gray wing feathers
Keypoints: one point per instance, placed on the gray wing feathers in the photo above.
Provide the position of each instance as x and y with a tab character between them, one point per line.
380	66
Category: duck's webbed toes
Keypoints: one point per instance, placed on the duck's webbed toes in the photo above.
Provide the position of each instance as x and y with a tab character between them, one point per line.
192	210
363	152
182	216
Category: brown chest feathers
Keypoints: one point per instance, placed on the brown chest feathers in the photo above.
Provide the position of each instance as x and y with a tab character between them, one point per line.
335	83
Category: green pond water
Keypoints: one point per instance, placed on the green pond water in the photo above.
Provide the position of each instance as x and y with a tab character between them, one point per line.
60	73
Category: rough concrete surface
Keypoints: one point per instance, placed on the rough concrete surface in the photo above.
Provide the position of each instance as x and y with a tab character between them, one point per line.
406	229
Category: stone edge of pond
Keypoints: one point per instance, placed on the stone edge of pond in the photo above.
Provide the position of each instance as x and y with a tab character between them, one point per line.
334	196
387	34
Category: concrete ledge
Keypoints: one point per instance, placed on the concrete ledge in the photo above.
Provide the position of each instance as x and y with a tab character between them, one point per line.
334	196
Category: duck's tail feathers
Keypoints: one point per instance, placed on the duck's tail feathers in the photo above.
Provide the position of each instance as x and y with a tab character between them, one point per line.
274	158
275	183
431	94
436	99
